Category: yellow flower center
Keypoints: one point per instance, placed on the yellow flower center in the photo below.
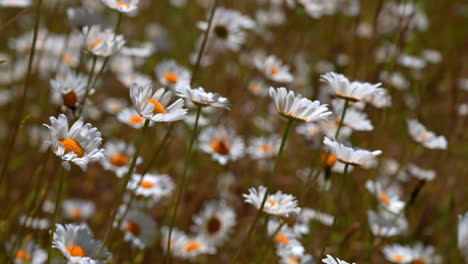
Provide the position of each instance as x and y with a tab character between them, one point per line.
136	119
158	107
384	198
399	258
282	239
134	228
171	77
120	3
70	99
76	251
274	70
145	184
424	136
221	147
330	159
266	148
96	42
192	246
271	203
119	160
72	145
22	255
76	213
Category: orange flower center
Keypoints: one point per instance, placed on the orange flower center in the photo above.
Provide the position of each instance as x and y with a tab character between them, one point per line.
221	147
419	261
67	58
424	136
282	239
293	260
72	145
119	160
76	251
120	3
274	70
192	246
399	258
76	213
96	42
134	228
271	203
158	107
171	77
384	198
331	159
22	255
70	99
136	119
147	184
266	148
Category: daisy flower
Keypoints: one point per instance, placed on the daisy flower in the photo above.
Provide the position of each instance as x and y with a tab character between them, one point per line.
77	245
139	229
296	107
278	204
425	254
124	6
353	119
131	117
68	89
308	214
154	186
201	98
463	235
397	253
420	173
155	106
188	247
78	144
264	147
420	134
170	74
352	91
386	224
214	222
119	156
101	42
78	210
15	3
222	144
274	69
331	260
28	253
36	223
288	257
389	201
347	155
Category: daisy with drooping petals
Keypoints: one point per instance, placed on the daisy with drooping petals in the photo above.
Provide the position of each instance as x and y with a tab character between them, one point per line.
279	204
119	157
264	147
78	144
124	6
420	134
130	117
386	224
155	106
222	144
77	245
170	74
352	91
296	107
154	186
390	201
348	155
28	253
397	253
462	238
274	69
420	173
331	260
68	89
78	209
202	98
101	42
139	229
214	222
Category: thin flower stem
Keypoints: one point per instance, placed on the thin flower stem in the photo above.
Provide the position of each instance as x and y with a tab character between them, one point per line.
54	217
181	185
269	182
88	85
266	254
20	110
123	188
340	125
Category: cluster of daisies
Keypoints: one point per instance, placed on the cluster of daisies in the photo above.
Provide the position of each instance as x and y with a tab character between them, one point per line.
73	65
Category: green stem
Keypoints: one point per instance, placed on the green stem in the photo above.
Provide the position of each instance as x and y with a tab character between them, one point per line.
54	218
346	103
88	85
182	181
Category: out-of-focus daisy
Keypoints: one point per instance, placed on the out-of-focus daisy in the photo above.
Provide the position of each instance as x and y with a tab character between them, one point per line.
462	237
264	147
139	229
155	106
78	144
296	107
352	91
78	209
258	87
214	222
331	260
425	254
420	134
388	200
124	6
77	245
308	214
349	155
421	174
353	119
397	253
154	186
170	74
68	89
188	247
274	69
279	204
386	224
102	42
15	3
119	157
114	105
222	144
130	117
34	222
201	98
27	253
